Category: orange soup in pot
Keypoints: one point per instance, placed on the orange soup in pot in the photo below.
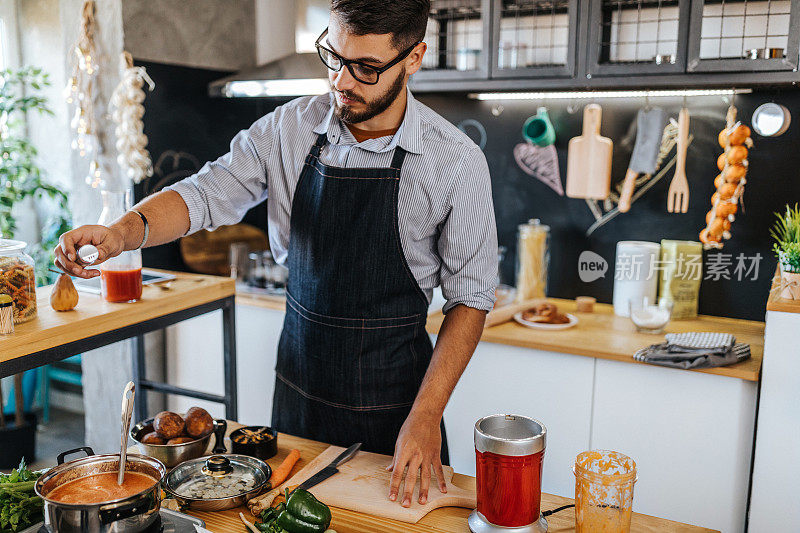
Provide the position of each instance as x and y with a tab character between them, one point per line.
99	488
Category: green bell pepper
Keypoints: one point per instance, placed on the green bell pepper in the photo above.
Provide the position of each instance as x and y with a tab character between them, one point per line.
304	514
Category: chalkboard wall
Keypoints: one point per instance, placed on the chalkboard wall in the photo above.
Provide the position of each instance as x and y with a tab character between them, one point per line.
772	182
180	117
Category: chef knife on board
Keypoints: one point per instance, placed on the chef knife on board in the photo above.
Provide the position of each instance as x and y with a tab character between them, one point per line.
331	469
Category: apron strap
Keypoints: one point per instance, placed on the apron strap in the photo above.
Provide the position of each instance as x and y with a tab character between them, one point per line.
397	160
322	139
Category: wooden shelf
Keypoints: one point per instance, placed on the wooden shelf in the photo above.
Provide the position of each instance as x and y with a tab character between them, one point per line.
604	335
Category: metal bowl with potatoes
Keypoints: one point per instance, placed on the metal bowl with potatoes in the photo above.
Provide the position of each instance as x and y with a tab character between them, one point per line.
172	451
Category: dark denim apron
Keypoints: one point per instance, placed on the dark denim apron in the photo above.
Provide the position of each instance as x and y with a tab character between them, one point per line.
354	349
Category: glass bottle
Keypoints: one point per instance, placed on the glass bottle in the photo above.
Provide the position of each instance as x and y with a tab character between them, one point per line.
533	258
17	279
120	276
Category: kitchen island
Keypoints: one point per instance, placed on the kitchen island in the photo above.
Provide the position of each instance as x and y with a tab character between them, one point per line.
445	520
691	432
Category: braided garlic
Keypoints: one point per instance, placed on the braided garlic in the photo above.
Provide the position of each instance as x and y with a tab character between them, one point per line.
127	112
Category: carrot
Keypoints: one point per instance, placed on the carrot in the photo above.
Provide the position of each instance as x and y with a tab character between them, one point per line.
280	474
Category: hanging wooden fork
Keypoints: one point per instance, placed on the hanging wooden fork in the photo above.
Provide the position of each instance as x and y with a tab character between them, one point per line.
678	195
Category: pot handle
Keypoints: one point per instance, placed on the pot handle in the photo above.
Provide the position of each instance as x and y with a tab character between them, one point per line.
121	512
85	449
220	427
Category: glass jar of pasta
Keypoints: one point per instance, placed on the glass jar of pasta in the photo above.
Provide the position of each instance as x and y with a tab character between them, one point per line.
533	257
17	279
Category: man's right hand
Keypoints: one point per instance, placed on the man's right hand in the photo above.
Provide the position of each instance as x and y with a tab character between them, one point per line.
108	241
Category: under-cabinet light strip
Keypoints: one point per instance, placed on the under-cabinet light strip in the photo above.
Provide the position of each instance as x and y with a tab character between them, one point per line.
571	95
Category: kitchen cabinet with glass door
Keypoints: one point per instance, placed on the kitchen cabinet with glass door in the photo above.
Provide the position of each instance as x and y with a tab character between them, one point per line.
457	36
637	37
744	36
534	38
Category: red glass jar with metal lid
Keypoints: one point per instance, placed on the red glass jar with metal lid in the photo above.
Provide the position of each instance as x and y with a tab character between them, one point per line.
509	453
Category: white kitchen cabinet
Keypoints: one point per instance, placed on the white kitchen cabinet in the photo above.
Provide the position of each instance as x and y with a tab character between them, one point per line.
776	470
691	435
194	360
554	388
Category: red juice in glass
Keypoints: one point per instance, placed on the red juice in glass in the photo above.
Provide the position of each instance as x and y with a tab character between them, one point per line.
121	285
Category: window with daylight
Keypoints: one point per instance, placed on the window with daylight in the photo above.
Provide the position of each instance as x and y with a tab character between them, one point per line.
9	44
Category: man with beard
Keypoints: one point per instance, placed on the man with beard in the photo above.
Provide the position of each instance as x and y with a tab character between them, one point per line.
373	200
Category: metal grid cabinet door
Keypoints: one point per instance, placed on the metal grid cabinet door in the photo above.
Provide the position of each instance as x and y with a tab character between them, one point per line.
628	37
458	38
534	38
744	36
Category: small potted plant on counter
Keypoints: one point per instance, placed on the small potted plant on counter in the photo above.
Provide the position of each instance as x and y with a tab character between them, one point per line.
786	233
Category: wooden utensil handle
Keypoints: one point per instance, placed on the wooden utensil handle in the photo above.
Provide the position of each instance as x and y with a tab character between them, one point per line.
506	313
592	115
683	140
627	191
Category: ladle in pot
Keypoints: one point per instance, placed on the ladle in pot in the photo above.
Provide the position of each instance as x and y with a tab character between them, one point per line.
127	411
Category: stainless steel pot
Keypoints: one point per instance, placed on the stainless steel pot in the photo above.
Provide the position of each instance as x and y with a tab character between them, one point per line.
174	454
218	468
129	515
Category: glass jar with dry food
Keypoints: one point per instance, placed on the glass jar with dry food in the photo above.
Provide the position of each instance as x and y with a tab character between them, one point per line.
17	279
533	258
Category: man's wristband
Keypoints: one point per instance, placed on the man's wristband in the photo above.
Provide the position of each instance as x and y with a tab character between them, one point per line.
146	228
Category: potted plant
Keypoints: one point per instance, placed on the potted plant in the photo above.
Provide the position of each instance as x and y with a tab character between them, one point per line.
21	178
18	433
786	233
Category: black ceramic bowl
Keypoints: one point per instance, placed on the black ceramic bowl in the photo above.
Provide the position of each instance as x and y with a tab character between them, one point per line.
264	449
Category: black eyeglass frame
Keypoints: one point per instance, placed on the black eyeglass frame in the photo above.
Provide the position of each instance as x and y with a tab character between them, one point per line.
348	62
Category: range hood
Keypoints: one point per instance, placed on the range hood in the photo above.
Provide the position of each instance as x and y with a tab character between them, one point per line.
297	73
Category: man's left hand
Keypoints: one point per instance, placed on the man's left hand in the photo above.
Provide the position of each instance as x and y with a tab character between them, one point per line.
418	447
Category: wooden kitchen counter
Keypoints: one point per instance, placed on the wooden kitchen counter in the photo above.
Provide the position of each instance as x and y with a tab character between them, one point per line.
604	335
94	316
445	520
266	301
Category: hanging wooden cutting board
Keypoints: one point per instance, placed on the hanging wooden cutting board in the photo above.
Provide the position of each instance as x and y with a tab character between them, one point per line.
362	485
208	252
589	159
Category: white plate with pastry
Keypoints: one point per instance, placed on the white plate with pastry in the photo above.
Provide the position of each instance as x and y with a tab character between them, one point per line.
546	316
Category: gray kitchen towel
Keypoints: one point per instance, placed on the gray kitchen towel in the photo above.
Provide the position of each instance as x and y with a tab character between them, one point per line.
694	340
681	356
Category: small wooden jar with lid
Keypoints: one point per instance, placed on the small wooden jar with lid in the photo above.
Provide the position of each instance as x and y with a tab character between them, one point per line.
585	304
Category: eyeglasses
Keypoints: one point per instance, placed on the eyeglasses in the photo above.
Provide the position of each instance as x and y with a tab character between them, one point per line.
360	71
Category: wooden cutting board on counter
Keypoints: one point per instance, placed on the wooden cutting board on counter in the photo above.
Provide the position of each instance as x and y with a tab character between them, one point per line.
362	485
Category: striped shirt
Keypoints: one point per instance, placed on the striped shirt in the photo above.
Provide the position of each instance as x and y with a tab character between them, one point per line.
445	210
